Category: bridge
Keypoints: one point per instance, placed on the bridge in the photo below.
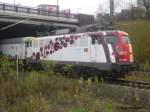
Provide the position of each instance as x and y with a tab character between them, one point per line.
18	21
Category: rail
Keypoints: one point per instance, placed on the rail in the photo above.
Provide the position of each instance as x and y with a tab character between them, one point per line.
128	83
25	9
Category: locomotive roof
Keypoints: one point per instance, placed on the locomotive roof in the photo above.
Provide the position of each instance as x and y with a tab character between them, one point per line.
109	32
24	39
113	32
16	40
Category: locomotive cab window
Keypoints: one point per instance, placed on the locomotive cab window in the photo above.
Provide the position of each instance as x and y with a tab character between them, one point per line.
125	39
96	40
93	41
111	39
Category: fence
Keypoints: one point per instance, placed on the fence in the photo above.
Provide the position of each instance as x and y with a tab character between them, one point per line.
23	9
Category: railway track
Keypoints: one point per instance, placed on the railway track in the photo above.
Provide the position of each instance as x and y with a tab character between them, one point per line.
145	71
128	83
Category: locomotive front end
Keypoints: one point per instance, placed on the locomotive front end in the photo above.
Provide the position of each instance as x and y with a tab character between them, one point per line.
123	53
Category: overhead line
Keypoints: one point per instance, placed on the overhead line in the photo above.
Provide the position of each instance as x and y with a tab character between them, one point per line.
4	28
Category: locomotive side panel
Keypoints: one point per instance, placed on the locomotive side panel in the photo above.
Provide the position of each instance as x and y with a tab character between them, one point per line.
18	47
97	52
65	49
74	48
13	50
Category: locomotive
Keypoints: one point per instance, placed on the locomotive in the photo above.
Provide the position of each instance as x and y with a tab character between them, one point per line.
102	50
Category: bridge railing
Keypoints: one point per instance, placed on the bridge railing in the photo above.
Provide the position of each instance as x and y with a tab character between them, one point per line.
23	9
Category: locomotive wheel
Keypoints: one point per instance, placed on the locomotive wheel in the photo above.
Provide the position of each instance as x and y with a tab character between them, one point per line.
58	69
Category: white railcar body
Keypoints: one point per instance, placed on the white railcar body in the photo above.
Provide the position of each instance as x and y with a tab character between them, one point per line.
88	49
72	47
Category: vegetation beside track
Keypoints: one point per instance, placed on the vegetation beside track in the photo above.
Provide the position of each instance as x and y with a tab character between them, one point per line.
46	92
140	76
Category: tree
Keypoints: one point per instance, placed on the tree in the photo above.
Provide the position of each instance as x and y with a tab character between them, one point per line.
145	4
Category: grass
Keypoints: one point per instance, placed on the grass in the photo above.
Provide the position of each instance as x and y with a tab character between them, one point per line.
38	92
139	76
46	92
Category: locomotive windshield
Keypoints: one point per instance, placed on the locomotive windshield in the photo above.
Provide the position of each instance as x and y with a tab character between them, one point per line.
125	39
111	39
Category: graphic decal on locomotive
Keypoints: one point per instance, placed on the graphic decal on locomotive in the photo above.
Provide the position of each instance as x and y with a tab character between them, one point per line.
61	43
55	45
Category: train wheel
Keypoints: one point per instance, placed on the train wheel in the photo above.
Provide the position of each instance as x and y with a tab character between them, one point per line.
58	69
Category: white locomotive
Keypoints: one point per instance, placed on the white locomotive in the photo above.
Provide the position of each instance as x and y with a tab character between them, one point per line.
103	50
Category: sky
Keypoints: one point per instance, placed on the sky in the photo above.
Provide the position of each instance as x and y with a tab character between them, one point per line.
76	6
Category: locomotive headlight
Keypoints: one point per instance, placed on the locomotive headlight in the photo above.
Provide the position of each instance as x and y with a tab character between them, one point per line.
130	47
104	33
121	51
131	55
131	58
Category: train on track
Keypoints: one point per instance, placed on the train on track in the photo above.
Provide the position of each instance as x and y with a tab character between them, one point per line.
109	51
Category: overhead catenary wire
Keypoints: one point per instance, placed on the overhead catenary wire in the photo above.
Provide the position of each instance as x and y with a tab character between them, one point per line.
6	27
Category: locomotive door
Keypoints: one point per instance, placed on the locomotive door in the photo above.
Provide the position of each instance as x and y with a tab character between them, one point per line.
93	51
28	48
20	51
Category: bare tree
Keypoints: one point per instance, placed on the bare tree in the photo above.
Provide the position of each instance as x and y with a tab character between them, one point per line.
145	4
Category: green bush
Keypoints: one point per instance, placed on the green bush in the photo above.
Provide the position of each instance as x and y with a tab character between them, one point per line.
48	66
45	92
6	66
108	107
